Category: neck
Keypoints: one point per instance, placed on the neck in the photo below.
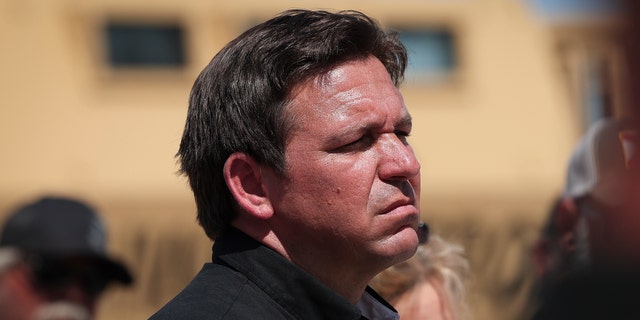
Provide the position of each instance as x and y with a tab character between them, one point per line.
343	278
348	284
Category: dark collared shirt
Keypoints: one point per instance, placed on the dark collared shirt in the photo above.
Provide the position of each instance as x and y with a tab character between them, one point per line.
247	280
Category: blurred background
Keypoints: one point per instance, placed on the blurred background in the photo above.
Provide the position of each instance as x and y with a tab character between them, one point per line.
93	98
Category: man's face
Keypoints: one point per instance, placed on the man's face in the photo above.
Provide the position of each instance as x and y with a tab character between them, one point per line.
349	195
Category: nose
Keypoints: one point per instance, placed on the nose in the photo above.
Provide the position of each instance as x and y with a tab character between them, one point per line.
397	160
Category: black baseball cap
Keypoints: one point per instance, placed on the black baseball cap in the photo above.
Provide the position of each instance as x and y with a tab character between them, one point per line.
57	227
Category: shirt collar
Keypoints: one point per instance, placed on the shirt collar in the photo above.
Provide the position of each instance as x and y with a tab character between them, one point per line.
291	287
374	307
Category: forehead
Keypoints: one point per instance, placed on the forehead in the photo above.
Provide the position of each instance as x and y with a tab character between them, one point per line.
353	87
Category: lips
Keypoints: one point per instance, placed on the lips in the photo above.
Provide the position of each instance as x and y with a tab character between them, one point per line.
398	206
403	217
401	214
407	198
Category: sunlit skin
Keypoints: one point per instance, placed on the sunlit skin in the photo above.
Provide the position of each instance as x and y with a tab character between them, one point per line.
346	208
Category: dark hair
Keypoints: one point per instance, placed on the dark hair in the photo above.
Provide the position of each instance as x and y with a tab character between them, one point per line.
237	103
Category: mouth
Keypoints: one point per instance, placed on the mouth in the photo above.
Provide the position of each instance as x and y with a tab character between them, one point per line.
404	212
399	206
404	201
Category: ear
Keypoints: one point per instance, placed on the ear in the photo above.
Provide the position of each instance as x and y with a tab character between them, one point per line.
245	181
566	221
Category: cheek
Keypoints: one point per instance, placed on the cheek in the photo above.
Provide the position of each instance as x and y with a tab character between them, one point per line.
330	186
331	178
333	174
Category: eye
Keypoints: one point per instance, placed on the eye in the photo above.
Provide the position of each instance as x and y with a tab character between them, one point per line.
362	143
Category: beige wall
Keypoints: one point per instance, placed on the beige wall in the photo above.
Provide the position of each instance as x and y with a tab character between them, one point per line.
493	141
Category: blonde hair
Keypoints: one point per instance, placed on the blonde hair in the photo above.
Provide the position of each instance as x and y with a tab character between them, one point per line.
439	262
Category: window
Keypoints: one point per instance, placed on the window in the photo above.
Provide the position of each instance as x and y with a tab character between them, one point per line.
432	54
145	45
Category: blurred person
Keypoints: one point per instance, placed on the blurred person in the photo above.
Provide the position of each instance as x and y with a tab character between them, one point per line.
605	287
554	248
296	150
587	261
582	228
53	261
430	285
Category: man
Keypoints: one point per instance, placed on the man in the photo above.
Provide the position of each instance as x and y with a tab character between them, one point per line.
587	258
53	262
296	149
585	224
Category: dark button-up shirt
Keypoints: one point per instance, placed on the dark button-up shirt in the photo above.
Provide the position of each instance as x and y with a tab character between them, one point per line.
248	280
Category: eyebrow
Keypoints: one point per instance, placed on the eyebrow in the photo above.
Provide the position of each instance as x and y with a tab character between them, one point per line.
404	122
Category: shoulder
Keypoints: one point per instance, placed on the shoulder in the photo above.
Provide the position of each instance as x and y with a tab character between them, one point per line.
218	292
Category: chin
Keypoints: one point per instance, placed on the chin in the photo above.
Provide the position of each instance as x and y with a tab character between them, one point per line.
410	252
403	245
